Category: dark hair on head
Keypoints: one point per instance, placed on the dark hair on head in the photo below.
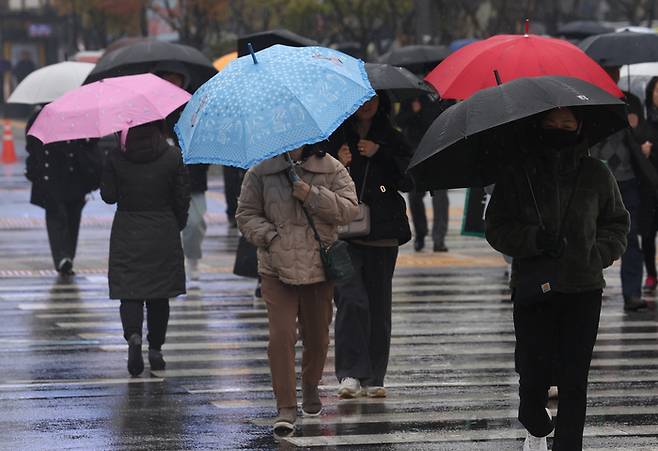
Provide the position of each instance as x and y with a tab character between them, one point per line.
318	149
648	92
383	114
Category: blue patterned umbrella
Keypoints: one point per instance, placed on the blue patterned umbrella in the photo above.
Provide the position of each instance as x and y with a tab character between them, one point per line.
271	102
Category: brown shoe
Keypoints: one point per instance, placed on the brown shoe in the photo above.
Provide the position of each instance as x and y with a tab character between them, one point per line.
284	424
311	404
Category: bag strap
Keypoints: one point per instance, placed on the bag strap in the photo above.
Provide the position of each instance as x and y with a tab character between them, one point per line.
563	220
363	183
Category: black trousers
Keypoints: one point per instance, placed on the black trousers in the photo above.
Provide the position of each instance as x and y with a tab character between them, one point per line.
649	246
566	324
63	225
157	318
232	186
440	208
363	316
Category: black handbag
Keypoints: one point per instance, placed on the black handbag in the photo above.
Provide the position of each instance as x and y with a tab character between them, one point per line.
246	259
537	275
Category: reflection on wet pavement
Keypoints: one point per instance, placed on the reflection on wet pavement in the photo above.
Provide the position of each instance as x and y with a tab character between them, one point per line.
451	382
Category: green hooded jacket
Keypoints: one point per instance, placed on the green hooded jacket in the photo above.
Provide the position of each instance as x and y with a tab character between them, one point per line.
596	222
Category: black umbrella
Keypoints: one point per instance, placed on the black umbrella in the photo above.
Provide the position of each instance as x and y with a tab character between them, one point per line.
143	56
581	29
624	47
412	56
462	148
265	39
397	81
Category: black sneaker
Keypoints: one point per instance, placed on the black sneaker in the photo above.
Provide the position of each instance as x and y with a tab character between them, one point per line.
65	267
440	248
135	358
419	243
634	304
156	361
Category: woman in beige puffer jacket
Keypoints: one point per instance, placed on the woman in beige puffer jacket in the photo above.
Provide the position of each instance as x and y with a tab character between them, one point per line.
294	285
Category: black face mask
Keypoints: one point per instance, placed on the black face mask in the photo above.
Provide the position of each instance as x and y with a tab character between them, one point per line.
556	138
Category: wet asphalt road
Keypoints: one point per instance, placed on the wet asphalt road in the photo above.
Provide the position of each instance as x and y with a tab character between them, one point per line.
452	386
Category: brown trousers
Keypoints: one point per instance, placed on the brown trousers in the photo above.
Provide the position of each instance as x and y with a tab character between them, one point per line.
286	304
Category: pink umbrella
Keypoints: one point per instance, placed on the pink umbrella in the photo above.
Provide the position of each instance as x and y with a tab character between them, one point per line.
107	106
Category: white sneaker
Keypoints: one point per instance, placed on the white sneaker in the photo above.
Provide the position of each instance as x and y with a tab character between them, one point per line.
349	388
192	266
533	443
376	392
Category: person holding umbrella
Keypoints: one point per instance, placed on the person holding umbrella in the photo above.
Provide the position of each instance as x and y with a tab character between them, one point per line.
293	196
585	231
147	180
376	155
149	183
557	211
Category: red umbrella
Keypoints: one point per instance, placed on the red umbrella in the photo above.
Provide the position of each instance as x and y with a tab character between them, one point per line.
471	68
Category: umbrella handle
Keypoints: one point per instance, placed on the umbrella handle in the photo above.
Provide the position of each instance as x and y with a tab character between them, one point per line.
123	136
253	54
497	75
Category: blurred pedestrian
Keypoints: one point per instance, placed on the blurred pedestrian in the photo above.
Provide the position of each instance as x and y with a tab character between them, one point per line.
149	183
270	215
414	118
62	174
195	231
584	230
377	156
649	199
24	67
621	159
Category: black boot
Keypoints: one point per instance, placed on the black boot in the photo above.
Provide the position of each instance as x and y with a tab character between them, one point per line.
135	359
156	360
419	243
633	304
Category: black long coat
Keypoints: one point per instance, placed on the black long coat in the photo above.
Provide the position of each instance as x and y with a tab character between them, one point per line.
385	177
149	183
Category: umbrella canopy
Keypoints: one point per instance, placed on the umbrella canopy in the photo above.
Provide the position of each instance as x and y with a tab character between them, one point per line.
51	82
220	63
142	56
624	47
265	39
276	100
397	81
514	56
107	106
581	29
412	55
639	69
459	149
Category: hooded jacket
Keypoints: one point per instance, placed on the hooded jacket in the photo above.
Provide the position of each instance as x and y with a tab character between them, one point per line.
149	184
596	223
273	220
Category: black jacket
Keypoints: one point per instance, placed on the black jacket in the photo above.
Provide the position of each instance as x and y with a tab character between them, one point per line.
596	221
61	171
385	177
149	184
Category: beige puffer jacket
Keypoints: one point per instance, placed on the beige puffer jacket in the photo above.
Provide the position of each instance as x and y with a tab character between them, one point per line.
273	220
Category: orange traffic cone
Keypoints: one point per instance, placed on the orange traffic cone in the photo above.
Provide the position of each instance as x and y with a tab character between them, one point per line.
8	149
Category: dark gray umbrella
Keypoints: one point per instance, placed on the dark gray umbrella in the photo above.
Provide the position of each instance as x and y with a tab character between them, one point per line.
623	47
415	55
265	39
464	146
581	29
144	55
397	81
